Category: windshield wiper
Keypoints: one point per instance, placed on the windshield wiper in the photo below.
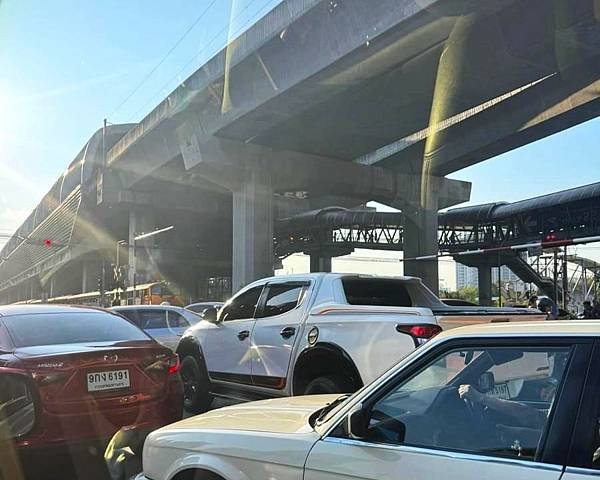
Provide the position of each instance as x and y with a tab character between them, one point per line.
329	407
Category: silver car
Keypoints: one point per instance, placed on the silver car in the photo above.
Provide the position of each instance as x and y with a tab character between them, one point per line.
164	323
207	310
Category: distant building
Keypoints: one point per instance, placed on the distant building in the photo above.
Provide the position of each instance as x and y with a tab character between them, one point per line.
468	277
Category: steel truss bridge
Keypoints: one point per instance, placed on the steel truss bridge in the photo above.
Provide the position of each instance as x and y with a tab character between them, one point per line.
567	215
550	220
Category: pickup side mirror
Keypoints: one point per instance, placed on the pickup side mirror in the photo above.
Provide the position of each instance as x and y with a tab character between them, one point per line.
210	314
357	423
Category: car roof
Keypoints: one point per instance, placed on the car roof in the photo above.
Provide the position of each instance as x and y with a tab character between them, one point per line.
8	310
541	328
313	276
208	304
146	307
293	276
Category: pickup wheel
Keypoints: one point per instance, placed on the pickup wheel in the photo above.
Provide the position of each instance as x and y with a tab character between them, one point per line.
196	386
327	384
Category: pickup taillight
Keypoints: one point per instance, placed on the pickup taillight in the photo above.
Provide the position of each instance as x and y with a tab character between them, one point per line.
419	333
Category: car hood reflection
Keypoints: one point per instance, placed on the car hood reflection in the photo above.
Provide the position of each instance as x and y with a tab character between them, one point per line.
281	415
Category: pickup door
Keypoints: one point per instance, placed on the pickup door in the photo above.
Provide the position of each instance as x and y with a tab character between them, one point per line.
276	331
226	344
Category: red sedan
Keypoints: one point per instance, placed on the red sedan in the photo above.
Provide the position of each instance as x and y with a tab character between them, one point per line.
69	375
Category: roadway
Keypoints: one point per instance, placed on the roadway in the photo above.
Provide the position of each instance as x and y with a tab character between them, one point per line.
89	463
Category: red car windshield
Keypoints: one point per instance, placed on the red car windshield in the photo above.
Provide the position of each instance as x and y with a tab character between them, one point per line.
64	328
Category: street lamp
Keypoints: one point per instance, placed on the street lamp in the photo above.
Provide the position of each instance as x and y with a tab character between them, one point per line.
140	236
119	244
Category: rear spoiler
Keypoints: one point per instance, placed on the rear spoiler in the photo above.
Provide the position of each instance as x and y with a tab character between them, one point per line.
442	312
344	309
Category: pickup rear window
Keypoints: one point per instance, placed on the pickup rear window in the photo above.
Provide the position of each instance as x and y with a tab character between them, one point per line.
376	291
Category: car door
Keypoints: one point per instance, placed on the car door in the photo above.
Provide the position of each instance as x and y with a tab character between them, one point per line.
226	344
419	428
584	459
276	331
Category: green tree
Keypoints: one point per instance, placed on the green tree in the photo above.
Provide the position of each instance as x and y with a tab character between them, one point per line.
465	293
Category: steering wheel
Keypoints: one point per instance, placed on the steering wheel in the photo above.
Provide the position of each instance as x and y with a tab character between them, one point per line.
476	410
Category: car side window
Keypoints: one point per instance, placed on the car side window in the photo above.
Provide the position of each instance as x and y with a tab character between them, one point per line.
282	298
152	319
242	306
493	402
131	315
176	320
4	341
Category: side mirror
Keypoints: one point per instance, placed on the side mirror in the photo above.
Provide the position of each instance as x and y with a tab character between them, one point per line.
17	406
486	382
210	314
357	423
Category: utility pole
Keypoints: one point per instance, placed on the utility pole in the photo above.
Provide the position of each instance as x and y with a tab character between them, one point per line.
565	279
499	281
102	283
555	276
104	142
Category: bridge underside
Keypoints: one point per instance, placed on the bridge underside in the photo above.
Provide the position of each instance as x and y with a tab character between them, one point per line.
422	89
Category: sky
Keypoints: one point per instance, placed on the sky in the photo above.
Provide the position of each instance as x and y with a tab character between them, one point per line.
66	65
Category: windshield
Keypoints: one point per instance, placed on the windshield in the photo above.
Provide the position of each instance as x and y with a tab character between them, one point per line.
172	154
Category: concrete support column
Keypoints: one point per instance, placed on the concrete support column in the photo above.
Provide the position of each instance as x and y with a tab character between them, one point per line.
84	277
320	263
421	239
484	274
252	228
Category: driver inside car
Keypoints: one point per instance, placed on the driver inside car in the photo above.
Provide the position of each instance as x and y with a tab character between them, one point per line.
523	414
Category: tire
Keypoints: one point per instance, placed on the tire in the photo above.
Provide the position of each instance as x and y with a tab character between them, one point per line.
196	386
327	384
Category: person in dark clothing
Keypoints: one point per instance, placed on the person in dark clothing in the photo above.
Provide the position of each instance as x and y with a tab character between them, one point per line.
596	309
588	311
533	300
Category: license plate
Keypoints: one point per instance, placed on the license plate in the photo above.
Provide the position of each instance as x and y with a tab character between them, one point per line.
500	391
109	380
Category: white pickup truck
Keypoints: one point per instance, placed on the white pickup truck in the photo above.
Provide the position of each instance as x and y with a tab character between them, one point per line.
316	333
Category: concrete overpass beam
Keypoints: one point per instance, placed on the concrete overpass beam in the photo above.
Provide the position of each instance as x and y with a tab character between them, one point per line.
252	228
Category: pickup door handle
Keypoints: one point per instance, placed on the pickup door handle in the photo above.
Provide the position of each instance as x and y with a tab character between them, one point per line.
243	335
288	332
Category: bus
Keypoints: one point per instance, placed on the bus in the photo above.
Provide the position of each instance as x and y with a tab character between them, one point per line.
153	293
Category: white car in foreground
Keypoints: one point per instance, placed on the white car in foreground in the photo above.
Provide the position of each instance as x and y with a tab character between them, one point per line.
502	401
